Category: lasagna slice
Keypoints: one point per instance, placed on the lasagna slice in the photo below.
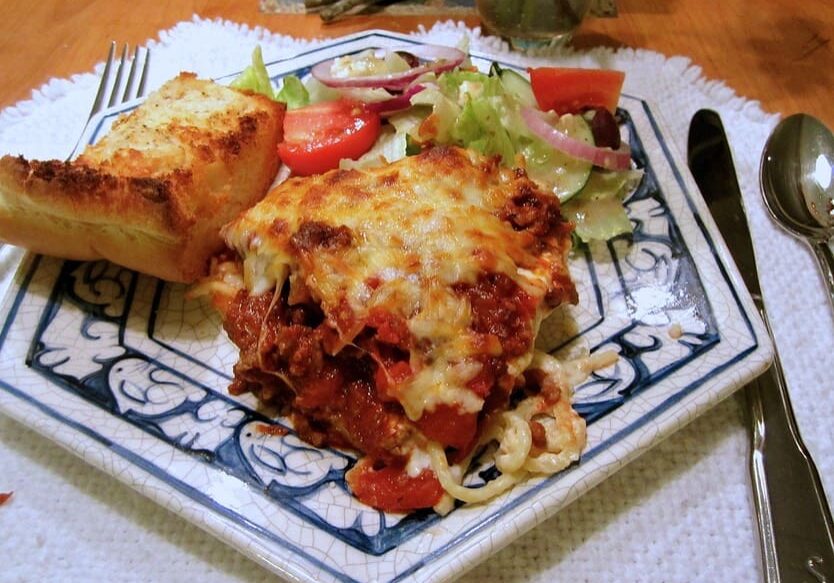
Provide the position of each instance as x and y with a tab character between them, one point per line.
393	311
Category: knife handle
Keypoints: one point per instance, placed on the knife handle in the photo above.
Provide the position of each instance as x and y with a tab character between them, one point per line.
795	526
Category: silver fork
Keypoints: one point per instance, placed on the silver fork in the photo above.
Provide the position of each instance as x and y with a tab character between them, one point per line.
112	85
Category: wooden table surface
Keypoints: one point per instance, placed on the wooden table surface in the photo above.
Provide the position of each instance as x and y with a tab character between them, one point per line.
778	52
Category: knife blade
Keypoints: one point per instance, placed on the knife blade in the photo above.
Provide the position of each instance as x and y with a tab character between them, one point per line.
794	521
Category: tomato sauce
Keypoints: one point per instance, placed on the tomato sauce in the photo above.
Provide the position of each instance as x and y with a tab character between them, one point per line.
274	430
334	396
390	328
346	398
449	426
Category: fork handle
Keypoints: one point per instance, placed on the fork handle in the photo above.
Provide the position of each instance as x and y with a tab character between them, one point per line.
795	526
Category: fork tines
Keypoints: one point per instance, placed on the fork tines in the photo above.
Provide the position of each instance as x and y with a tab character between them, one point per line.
110	89
126	87
115	86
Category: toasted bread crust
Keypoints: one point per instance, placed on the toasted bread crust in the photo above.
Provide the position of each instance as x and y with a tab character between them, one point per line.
153	193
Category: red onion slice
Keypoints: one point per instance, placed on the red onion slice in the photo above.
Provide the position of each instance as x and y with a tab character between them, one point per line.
397	102
603	157
442	59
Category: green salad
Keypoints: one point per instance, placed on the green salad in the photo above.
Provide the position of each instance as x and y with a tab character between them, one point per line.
557	124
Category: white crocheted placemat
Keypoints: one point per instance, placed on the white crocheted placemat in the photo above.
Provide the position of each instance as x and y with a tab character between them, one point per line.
682	512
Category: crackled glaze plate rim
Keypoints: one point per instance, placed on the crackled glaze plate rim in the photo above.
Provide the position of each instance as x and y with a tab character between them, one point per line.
469	534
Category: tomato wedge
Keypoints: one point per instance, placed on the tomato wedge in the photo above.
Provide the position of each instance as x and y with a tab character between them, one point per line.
318	136
565	90
391	489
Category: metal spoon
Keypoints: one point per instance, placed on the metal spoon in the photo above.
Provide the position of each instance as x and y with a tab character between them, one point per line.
798	185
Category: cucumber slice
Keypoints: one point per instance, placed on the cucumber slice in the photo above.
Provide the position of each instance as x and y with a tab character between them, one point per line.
598	211
557	172
519	87
515	84
597	220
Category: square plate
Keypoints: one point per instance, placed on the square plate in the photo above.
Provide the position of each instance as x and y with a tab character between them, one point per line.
122	370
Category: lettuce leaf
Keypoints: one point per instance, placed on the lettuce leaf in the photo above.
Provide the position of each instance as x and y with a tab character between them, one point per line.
437	127
254	77
293	93
479	127
393	143
470	109
389	147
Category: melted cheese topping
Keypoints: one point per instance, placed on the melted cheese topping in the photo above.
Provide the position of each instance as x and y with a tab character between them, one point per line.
410	232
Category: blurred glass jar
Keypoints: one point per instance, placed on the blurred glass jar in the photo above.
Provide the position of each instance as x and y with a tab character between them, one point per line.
533	23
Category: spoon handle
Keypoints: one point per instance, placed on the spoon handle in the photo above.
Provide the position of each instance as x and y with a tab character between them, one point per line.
822	250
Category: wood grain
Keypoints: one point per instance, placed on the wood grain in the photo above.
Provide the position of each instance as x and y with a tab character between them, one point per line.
777	52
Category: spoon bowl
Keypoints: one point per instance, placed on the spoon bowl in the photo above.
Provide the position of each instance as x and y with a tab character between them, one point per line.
798	186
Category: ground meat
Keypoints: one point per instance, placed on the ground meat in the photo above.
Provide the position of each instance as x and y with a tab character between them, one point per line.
284	361
501	308
314	235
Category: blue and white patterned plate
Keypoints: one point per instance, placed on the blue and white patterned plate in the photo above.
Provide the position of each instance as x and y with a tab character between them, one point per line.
125	372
